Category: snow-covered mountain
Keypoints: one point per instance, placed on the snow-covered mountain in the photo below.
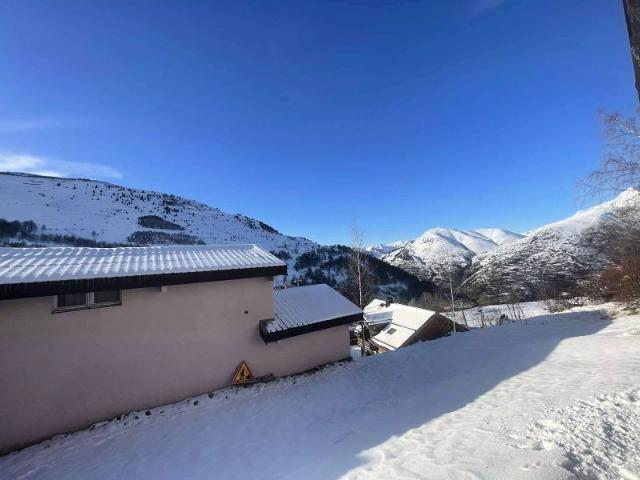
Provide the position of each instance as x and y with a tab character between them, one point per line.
494	261
38	210
381	249
104	212
559	254
439	250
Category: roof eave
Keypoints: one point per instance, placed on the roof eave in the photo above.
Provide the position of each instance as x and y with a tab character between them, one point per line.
58	287
302	329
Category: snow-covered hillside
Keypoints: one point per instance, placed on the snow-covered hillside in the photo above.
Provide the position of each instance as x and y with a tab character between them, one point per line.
496	262
555	399
114	214
438	250
63	211
560	253
39	210
381	249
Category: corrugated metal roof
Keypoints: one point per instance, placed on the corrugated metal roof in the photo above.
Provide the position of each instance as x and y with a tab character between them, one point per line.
303	306
27	265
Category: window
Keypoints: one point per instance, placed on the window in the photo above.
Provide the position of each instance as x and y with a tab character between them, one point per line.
71	300
391	331
79	301
106	297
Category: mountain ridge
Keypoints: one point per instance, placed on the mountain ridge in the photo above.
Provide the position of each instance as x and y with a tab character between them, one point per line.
441	252
560	254
487	261
42	210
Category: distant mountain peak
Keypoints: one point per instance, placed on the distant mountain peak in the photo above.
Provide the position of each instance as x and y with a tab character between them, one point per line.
436	250
488	258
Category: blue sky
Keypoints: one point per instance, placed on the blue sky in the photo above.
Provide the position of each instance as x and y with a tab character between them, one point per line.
410	115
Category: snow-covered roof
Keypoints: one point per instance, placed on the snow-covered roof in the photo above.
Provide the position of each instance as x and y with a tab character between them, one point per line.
377	312
405	321
374	305
51	264
303	309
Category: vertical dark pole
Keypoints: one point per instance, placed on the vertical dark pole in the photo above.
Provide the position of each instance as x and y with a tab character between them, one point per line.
632	16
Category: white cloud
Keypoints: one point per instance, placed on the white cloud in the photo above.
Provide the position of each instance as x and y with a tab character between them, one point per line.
12	162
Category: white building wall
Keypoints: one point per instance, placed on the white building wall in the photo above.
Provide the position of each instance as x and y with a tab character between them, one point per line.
63	371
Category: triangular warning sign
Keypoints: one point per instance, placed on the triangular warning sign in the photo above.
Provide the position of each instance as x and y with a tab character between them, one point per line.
243	374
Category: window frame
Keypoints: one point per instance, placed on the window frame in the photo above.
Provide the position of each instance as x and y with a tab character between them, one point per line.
93	304
57	308
88	304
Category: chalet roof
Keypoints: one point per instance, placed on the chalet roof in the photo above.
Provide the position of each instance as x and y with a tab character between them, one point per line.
305	309
405	321
378	312
28	272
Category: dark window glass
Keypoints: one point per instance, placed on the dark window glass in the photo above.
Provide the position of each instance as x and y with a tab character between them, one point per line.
106	296
391	331
72	300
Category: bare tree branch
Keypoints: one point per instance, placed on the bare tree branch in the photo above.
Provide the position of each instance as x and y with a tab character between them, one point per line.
620	167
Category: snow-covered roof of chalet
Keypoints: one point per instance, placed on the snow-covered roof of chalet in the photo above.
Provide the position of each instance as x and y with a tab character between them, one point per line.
405	321
377	312
305	309
374	305
76	267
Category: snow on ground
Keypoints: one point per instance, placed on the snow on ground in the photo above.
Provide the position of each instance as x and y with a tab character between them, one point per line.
492	313
557	398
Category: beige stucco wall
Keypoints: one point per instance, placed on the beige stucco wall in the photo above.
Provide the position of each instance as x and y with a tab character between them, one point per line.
60	372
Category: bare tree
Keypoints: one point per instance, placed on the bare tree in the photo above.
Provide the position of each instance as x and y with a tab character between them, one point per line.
452	297
361	272
620	167
620	280
436	301
483	321
363	285
453	292
514	307
463	304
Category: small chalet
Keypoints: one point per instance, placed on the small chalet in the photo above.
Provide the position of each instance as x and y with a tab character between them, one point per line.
407	325
87	334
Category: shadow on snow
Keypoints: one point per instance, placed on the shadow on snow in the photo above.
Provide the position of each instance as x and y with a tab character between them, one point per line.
315	427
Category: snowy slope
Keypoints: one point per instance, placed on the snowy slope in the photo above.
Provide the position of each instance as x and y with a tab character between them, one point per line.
83	212
499	236
560	253
555	399
436	251
382	249
111	213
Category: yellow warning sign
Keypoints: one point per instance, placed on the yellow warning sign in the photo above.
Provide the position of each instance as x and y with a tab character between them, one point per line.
243	374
